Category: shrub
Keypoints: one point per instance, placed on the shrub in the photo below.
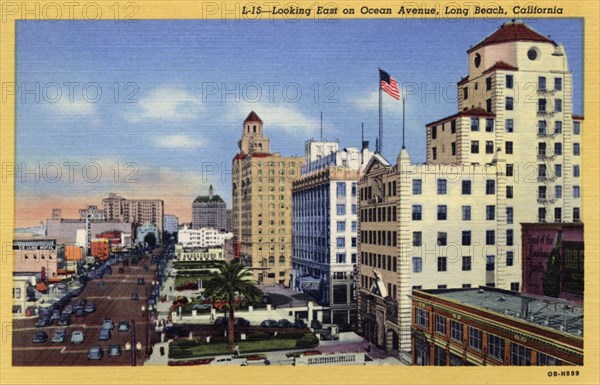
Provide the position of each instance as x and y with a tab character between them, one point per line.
308	340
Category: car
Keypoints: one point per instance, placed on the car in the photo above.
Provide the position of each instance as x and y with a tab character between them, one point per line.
283	323
114	350
55	315
266	298
152	301
241	322
68	310
64	320
79	303
123	326
134	296
95	353
121	270
268	323
300	324
108	324
90	308
40	337
220	321
328	336
104	335
77	337
140	281
79	312
100	283
59	336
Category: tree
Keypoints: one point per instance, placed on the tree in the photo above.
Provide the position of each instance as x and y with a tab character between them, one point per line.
233	280
150	239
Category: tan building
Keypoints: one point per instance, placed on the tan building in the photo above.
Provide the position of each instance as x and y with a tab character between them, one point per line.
262	205
137	211
37	256
454	222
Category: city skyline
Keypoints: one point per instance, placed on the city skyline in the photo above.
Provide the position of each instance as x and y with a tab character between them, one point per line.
173	135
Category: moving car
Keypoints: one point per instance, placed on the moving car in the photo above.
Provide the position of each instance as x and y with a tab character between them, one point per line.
79	312
77	337
55	315
134	296
104	335
43	321
64	320
121	270
108	324
140	281
40	337
95	353
114	350
90	308
59	336
123	326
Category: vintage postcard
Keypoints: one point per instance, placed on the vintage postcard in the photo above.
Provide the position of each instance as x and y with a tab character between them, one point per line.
329	192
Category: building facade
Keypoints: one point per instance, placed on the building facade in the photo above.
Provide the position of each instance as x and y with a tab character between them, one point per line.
136	211
38	256
325	227
145	229
209	211
488	326
184	253
204	237
454	222
262	205
170	223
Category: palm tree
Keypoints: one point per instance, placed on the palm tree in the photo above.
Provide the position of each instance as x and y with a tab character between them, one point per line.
232	280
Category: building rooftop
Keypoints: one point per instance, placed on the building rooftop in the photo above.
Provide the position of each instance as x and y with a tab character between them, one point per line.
252	117
512	31
476	111
207	199
554	313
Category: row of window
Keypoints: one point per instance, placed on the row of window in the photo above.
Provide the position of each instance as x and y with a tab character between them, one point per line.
387	189
542	149
543	192
466	237
379	261
378	214
341	189
442	213
466	262
341	226
340	209
341	242
543	214
378	237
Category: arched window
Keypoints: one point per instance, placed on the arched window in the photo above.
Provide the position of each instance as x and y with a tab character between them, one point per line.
282	260
271	260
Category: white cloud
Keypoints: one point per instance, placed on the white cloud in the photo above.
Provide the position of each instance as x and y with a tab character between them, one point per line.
166	104
370	102
177	141
66	108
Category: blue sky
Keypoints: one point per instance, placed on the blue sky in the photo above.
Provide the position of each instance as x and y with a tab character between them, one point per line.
171	119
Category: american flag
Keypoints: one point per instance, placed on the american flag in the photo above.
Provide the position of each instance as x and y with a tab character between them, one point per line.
389	85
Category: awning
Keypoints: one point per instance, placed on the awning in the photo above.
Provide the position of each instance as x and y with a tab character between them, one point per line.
309	283
41	287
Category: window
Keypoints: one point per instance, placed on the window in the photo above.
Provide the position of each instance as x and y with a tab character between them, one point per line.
557	105
489	147
558	127
475	336
509	192
341	242
490	212
576	215
474	147
509	103
488	105
466	238
576	149
542	127
466	263
466	213
576	171
558	191
558	148
557	84
439	358
488	83
456	331
508	147
509	124
417	212
442	212
341	189
542	192
557	214
341	209
453	148
440	324
442	238
541	83
417	264
509	81
489	125
433	132
546	360
466	187
490	263
422	317
509	215
453	126
558	170
519	355
353	189
417	238
442	263
496	347
353	226
542	171
510	258
417	186
576	128
510	170
490	186
541	105
353	209
353	242
465	93
576	192
510	237
341	226
340	258
541	214
466	285
490	237
474	124
442	186
542	149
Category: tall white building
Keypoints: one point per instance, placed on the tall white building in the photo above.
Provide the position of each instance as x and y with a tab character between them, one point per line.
324	224
170	223
502	160
204	237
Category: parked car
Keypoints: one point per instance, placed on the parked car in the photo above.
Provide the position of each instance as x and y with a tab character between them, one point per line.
40	337
328	336
114	350
300	324
108	324
64	320
220	321
79	312
100	283
123	326
134	296
42	321
283	323
266	298
77	337
268	323
104	335
59	336
90	308
80	303
241	322
68	310
140	281
121	270
95	353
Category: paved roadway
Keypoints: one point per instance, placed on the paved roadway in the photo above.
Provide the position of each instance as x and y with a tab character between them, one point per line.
112	301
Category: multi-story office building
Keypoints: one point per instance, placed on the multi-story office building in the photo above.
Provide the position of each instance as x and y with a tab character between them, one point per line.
170	223
325	227
454	222
262	205
38	256
209	211
489	326
136	211
204	237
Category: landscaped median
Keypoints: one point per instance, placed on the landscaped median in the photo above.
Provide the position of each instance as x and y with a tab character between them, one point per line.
256	342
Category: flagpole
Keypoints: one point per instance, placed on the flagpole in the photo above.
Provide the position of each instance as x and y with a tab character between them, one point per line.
403	115
380	144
